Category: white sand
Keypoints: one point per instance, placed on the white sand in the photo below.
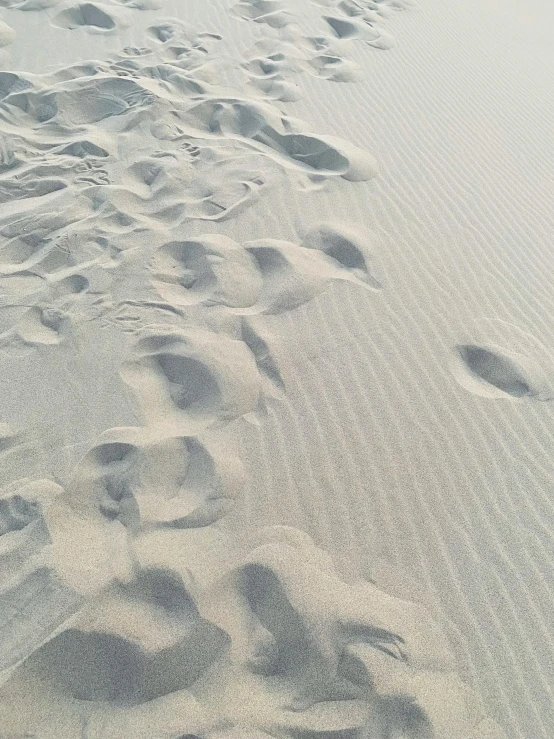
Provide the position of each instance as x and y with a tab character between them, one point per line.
276	317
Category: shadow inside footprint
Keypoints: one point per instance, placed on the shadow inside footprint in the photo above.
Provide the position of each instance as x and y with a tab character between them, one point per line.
189	381
84	15
495	369
11	83
186	380
307	150
267	600
101	665
16	513
103	485
346	248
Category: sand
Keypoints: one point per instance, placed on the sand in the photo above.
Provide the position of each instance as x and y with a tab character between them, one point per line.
276	321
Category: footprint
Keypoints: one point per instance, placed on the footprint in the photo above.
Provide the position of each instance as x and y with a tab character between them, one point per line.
97	99
147	482
209	269
270	66
103	486
27	285
224	186
187	380
166	31
188	48
205	183
22	502
270	73
263	127
271	12
482	364
31	109
402	716
16	513
322	155
296	625
291	275
48	321
12	83
496	369
43	325
22	252
355	28
208	491
346	247
274	89
13	189
91	16
32	602
406	702
369	12
163	645
35	244
98	515
335	68
65	289
83	149
344	29
495	372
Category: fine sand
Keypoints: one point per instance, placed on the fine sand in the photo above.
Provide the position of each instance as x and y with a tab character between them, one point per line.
277	361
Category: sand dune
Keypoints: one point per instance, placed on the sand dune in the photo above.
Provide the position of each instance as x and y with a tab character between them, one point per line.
273	341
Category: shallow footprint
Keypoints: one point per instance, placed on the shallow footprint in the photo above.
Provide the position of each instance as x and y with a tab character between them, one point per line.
346	247
210	269
43	325
291	274
93	17
335	68
355	28
491	371
271	12
179	482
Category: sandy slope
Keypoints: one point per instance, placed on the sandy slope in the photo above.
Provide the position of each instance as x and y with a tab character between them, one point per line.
275	329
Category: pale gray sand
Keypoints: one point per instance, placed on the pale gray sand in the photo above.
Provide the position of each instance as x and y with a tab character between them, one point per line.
274	336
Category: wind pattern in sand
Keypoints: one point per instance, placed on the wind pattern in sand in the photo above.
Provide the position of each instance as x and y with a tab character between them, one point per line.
186	556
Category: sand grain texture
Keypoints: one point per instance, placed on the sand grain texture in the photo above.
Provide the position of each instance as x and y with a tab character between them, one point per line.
276	355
